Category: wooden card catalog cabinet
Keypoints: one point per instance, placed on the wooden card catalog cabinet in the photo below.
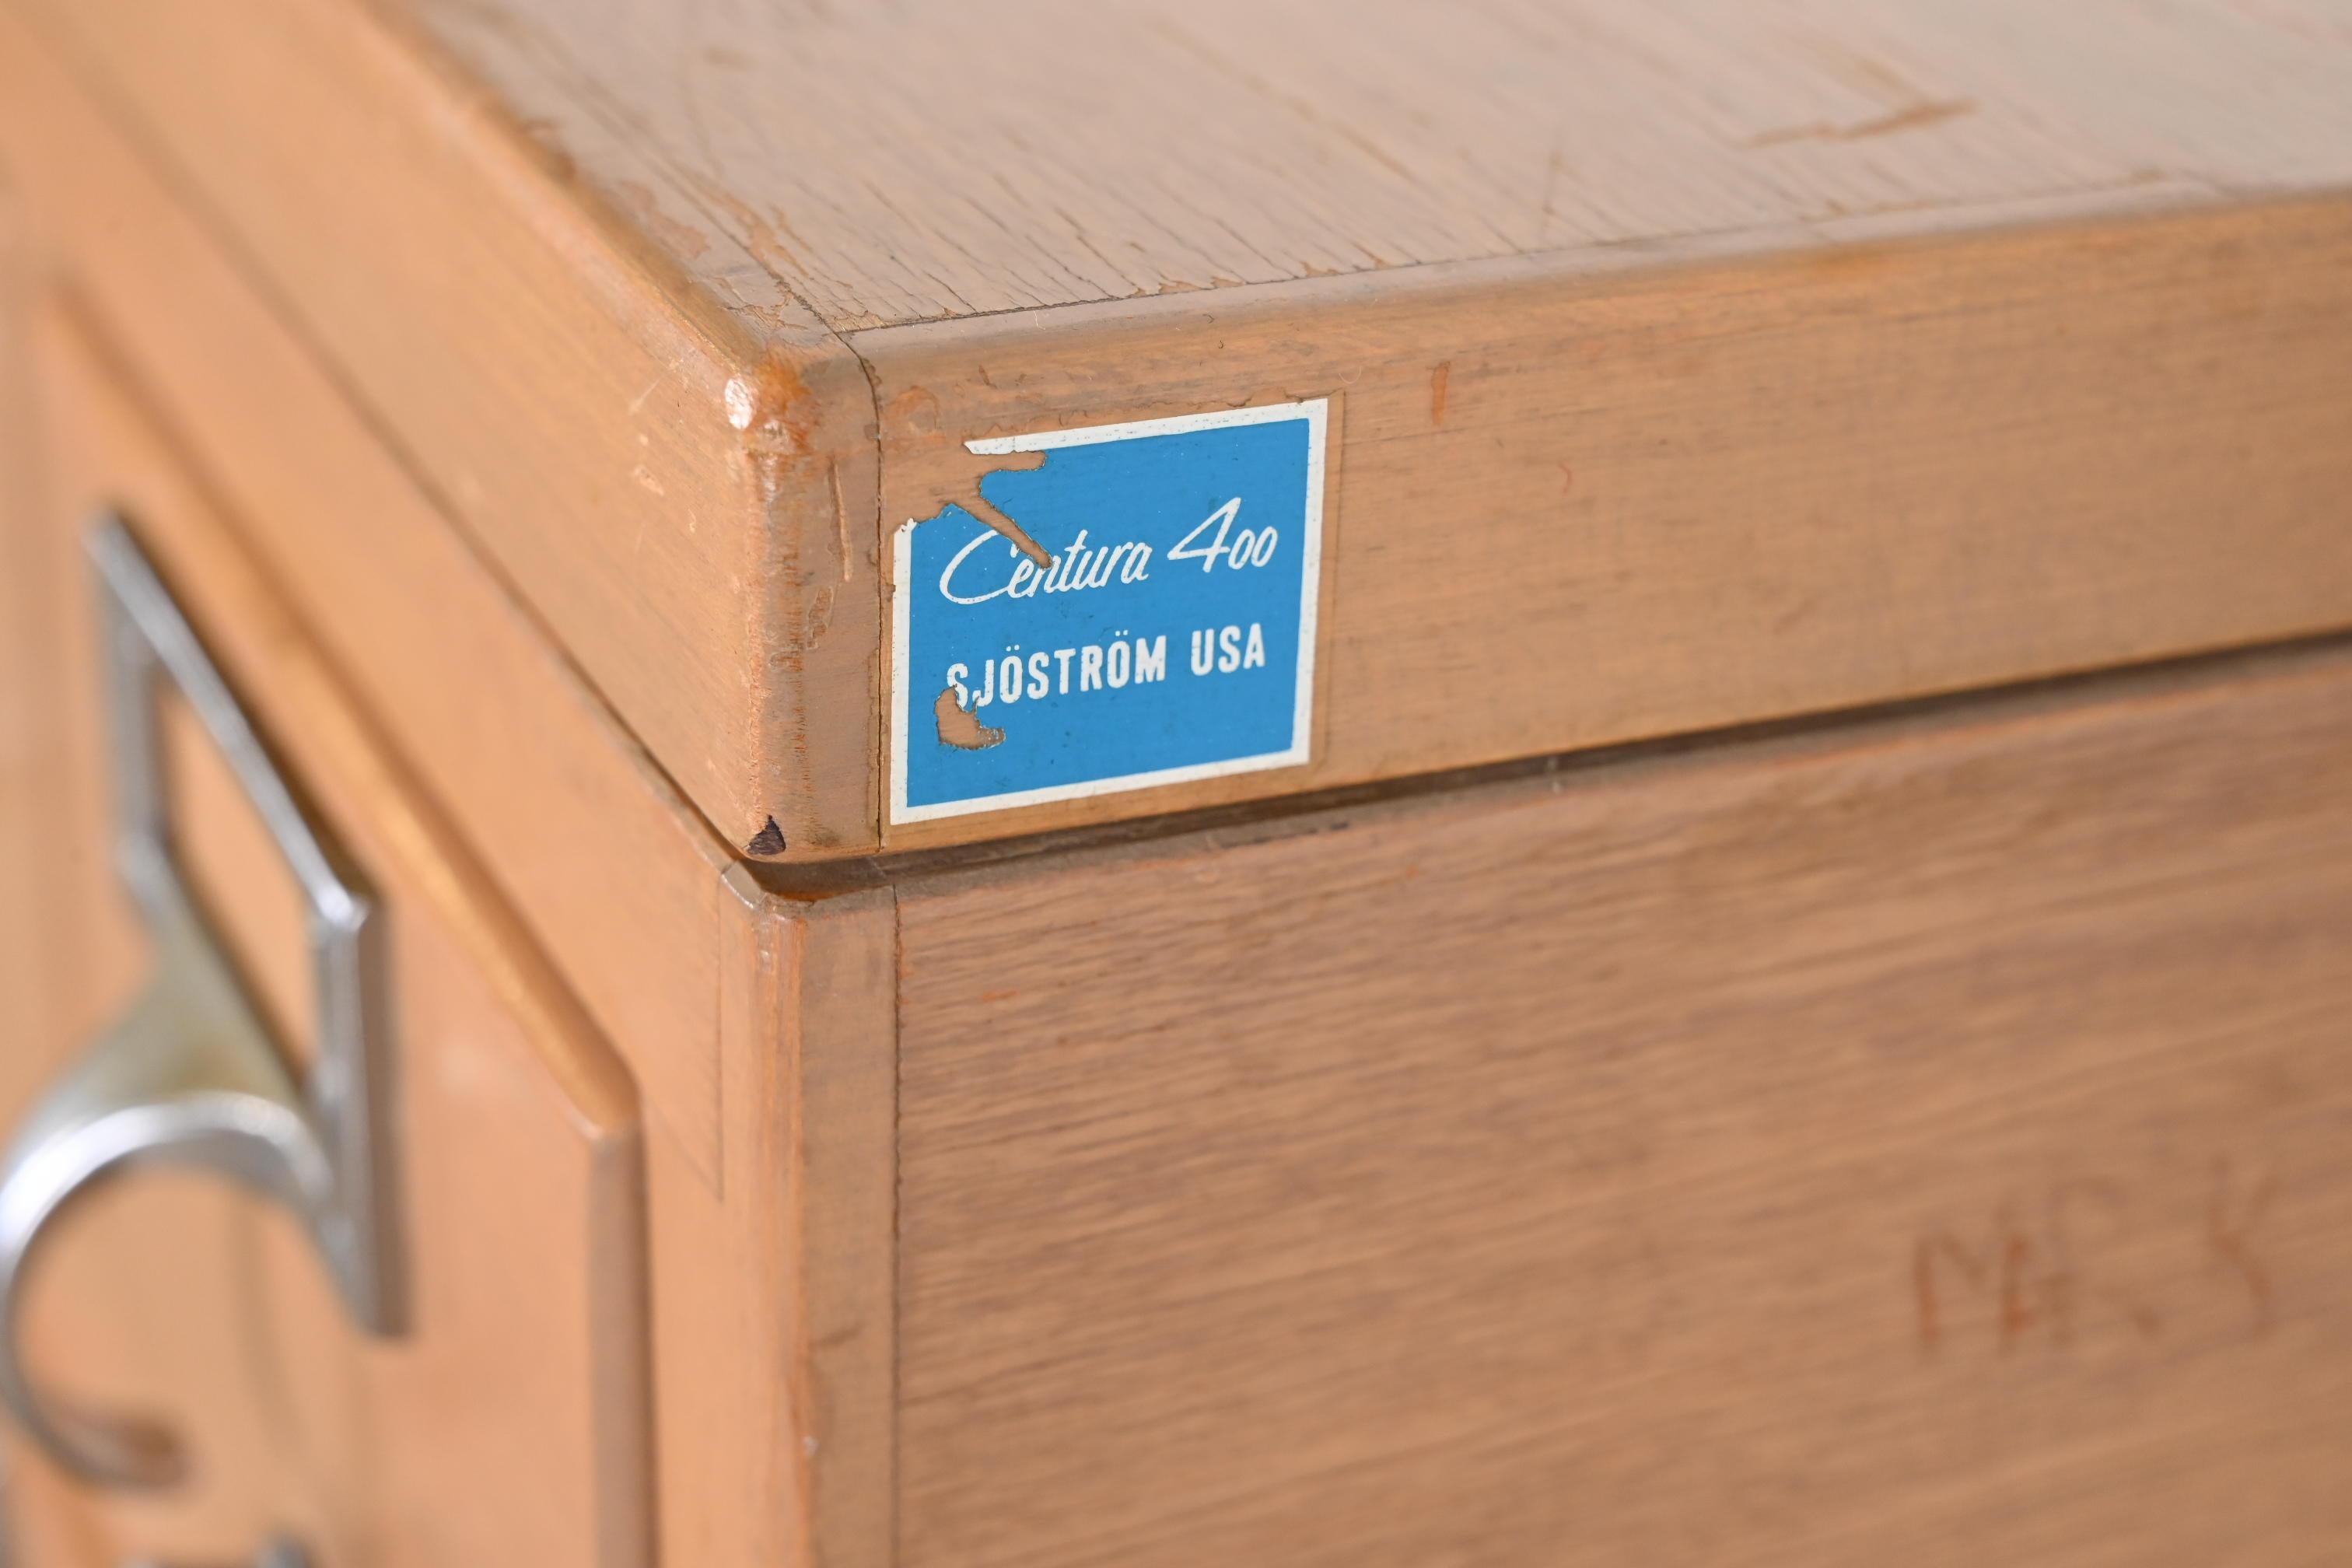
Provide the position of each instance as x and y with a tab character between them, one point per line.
1082	786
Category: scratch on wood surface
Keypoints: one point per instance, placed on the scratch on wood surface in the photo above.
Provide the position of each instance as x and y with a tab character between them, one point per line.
840	516
1911	117
2082	1266
2229	1227
1437	380
1300	106
958	727
817	620
682	237
1553	165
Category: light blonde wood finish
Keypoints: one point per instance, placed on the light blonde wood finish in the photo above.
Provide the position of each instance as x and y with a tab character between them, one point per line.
564	393
1577	510
1724	388
773	1306
28	704
522	1377
1922	1143
522	755
1922	1140
894	161
574	816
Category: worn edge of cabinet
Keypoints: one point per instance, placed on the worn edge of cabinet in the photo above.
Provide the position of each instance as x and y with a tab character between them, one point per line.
273	665
774	1291
571	806
670	493
827	646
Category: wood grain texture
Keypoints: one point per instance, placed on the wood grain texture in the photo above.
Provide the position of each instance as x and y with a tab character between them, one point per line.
1574	508
510	1421
842	1028
1709	325
893	162
40	964
659	480
1915	1142
500	726
773	1311
28	704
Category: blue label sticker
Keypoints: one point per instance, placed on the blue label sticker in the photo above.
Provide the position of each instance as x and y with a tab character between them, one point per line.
1172	639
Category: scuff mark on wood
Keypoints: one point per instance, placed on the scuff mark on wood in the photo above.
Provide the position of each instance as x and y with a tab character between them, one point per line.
1911	117
816	620
684	239
919	408
544	137
1551	213
840	516
958	727
769	840
772	405
1437	380
2230	1222
758	232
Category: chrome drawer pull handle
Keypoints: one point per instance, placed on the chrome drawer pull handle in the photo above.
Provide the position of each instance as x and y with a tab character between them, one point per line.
190	1076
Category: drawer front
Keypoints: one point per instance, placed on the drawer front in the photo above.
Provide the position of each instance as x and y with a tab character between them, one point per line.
502	1417
1925	1142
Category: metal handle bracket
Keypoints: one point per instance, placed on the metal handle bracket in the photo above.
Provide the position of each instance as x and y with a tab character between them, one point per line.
190	1075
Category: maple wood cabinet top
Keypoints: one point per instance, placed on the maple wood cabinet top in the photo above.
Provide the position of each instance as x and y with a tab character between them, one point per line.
1654	367
885	162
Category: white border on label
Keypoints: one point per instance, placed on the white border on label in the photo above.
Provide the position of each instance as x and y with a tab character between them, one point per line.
1310	593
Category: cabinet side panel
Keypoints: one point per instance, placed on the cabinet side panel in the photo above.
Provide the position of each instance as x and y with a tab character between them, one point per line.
773	1290
1921	1142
